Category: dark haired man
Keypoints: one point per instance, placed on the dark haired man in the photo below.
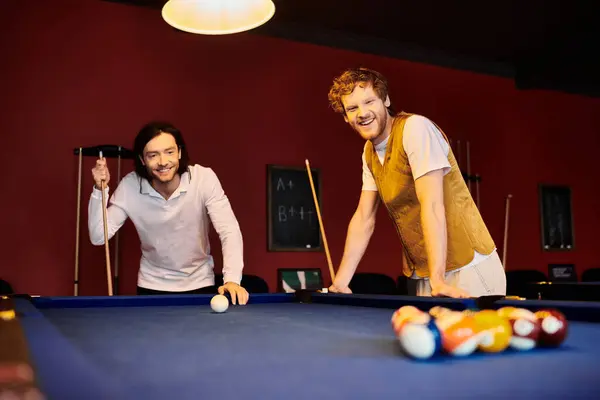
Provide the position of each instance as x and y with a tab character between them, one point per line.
409	166
171	205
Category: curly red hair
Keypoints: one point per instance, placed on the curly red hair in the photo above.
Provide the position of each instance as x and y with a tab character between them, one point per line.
345	83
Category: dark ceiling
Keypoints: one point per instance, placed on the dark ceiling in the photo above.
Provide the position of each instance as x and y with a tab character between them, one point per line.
542	44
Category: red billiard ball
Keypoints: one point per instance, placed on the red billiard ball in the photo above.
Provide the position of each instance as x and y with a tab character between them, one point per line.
554	327
526	328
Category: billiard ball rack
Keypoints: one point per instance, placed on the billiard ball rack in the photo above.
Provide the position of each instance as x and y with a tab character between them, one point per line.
106	151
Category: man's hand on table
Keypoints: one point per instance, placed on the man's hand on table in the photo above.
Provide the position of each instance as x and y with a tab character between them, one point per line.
238	294
335	289
440	288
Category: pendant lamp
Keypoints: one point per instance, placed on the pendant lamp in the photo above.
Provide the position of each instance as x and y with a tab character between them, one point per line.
217	17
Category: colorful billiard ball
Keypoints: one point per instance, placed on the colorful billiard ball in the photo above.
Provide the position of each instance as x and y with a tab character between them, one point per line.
495	332
526	329
554	327
505	311
419	337
402	316
406	310
219	303
438	311
7	315
460	333
15	373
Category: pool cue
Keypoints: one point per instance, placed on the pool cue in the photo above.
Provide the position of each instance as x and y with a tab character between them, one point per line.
312	186
116	280
469	165
477	179
458	152
506	219
76	279
106	248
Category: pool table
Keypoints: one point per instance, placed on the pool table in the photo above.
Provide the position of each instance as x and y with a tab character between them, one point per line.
285	345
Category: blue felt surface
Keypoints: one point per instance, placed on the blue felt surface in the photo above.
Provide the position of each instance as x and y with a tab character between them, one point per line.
288	350
63	372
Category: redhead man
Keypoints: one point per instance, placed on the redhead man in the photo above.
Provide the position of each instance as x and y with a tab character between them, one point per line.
409	166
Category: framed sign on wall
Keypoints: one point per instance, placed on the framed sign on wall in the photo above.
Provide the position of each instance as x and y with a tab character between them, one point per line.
556	218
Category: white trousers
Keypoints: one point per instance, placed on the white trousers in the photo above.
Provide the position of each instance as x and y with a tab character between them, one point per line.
484	279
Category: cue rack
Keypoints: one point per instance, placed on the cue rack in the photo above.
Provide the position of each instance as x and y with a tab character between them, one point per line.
476	178
108	151
469	178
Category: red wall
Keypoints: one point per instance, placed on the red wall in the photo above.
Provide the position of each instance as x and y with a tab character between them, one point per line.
82	73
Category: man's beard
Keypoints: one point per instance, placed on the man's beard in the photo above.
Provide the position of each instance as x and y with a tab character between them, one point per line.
367	131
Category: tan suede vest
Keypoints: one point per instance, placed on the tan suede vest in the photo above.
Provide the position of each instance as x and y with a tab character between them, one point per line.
465	228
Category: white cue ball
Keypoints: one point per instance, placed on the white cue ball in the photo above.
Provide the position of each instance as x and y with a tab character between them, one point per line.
219	303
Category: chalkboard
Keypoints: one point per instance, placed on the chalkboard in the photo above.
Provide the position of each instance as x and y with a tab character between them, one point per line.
293	223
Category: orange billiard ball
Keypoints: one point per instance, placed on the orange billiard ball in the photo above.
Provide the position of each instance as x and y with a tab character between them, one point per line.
460	333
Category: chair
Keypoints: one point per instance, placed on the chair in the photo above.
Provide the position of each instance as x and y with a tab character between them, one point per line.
373	283
518	282
6	288
254	284
405	286
591	275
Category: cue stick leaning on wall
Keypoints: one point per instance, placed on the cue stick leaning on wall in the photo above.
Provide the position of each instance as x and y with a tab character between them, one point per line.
469	165
477	179
76	278
506	219
312	186
106	248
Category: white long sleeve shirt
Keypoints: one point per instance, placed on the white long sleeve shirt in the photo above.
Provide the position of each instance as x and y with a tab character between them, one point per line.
173	233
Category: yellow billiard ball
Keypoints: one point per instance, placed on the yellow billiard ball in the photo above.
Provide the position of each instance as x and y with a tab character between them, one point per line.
7	315
495	331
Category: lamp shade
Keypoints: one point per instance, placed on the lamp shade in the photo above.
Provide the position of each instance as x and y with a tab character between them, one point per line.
217	17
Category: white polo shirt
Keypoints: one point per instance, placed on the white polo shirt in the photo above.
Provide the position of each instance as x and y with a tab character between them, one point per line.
427	150
174	233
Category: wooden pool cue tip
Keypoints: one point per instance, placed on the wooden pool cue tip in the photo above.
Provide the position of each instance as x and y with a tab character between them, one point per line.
312	186
106	247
